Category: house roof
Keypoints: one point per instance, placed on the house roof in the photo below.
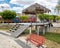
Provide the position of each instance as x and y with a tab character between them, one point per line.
35	8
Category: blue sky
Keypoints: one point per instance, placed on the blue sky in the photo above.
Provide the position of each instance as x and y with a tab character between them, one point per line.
19	5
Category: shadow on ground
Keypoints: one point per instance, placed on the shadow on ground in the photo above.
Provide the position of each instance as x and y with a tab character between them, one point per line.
4	34
22	44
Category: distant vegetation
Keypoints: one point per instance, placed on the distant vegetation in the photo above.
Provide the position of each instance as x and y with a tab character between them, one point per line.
25	17
8	14
48	17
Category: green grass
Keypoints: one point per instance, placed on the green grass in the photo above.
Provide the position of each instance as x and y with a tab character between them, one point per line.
26	32
5	27
50	36
53	37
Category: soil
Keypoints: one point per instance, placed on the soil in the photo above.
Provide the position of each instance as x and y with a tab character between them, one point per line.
51	44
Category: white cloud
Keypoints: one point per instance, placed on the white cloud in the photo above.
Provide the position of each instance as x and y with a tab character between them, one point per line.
17	9
25	2
7	6
51	4
53	1
4	6
47	3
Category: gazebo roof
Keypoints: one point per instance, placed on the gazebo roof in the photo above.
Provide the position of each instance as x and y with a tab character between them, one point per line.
35	8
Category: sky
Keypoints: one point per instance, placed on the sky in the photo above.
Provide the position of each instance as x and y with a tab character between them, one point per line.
19	5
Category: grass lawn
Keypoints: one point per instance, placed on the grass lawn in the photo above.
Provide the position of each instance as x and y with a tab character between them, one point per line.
53	37
50	36
5	27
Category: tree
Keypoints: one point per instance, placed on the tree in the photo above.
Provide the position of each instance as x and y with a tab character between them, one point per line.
8	14
24	18
46	17
41	16
51	17
57	18
0	13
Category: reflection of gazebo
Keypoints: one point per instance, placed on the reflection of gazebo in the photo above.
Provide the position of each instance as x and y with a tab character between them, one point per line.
35	9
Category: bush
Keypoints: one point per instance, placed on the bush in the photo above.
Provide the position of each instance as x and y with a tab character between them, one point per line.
23	17
8	14
45	16
51	17
57	18
41	16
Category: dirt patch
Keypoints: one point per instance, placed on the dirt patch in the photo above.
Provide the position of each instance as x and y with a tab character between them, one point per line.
51	44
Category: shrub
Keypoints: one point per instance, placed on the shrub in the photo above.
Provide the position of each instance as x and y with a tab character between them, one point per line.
41	16
45	16
51	17
57	18
23	17
8	14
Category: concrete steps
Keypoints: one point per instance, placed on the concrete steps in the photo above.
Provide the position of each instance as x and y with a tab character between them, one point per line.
16	30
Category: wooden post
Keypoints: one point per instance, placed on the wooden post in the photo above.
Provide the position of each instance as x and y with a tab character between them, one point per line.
36	23
35	29
47	28
43	30
30	30
38	30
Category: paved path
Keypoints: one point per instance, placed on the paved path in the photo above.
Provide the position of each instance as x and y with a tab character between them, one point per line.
9	42
56	24
6	42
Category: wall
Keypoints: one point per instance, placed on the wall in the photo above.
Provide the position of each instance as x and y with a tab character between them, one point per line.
54	29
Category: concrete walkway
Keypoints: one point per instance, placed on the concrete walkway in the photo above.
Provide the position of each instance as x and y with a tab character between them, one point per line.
8	42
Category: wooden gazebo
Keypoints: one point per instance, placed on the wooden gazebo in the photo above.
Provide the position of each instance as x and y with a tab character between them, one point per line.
36	9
